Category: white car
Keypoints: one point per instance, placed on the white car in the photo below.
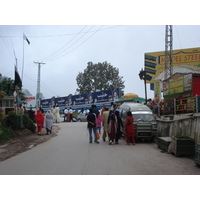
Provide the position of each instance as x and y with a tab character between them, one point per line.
82	116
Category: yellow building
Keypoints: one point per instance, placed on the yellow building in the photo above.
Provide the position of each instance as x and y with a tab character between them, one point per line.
154	62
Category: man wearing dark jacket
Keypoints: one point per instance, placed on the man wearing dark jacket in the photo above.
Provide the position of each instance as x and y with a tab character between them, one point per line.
91	119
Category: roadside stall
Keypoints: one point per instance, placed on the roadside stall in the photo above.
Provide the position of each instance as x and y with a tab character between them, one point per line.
181	93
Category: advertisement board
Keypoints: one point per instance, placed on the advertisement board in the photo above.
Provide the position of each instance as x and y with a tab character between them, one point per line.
154	62
45	103
176	85
82	101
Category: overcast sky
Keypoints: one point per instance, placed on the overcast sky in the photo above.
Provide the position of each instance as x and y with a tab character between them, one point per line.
66	50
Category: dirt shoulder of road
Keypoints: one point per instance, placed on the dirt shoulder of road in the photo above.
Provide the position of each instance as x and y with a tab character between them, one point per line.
23	141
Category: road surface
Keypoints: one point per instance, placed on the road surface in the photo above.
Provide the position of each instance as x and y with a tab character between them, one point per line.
70	153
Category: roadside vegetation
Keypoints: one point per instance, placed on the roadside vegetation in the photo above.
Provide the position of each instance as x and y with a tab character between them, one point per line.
12	123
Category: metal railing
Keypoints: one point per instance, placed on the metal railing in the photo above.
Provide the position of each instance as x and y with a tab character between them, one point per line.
177	106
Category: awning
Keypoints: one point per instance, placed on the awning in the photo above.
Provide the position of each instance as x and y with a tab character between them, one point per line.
130	95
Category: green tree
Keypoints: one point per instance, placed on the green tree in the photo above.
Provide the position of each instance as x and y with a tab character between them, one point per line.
100	76
7	86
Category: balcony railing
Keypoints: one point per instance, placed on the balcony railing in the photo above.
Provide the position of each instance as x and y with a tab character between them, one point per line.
176	106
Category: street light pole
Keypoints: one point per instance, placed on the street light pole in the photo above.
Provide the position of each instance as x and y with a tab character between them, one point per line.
145	88
144	76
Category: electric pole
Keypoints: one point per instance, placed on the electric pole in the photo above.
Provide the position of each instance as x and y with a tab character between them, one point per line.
38	84
168	51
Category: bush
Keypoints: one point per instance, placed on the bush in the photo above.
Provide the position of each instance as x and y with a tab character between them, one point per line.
5	133
28	123
17	122
12	121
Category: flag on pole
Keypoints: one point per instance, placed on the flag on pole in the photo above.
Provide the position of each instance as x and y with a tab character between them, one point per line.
25	38
18	81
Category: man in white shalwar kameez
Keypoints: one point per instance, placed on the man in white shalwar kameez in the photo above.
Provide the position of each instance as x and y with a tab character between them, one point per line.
57	114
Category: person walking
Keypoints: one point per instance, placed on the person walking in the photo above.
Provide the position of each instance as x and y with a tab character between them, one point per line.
91	119
111	106
95	109
65	115
70	114
53	111
112	126
98	122
119	127
129	128
31	114
103	109
57	114
39	118
118	106
105	124
41	109
48	121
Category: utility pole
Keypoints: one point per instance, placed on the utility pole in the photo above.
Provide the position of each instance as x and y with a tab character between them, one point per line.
168	51
38	84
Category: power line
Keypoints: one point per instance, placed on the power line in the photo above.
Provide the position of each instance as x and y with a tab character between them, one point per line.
6	44
60	35
60	54
77	46
64	45
178	37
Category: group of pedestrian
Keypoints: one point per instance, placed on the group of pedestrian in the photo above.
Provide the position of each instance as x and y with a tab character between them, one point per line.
112	124
42	120
68	115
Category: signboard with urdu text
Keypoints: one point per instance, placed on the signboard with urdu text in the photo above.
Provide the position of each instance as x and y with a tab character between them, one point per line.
82	100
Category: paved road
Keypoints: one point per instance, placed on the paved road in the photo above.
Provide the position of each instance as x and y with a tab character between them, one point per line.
70	153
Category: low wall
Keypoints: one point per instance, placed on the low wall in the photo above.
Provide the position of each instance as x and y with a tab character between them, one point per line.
180	126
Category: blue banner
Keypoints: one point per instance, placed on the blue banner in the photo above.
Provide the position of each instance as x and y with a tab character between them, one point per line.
79	99
83	100
45	103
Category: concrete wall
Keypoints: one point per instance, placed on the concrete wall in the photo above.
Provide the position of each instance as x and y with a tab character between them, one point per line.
180	126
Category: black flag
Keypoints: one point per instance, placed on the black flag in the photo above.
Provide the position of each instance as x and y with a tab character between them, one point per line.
25	38
18	81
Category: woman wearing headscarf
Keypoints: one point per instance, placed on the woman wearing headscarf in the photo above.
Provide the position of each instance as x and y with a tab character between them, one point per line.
129	127
39	118
48	121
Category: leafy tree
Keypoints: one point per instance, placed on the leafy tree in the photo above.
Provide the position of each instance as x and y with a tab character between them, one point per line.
7	87
100	76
